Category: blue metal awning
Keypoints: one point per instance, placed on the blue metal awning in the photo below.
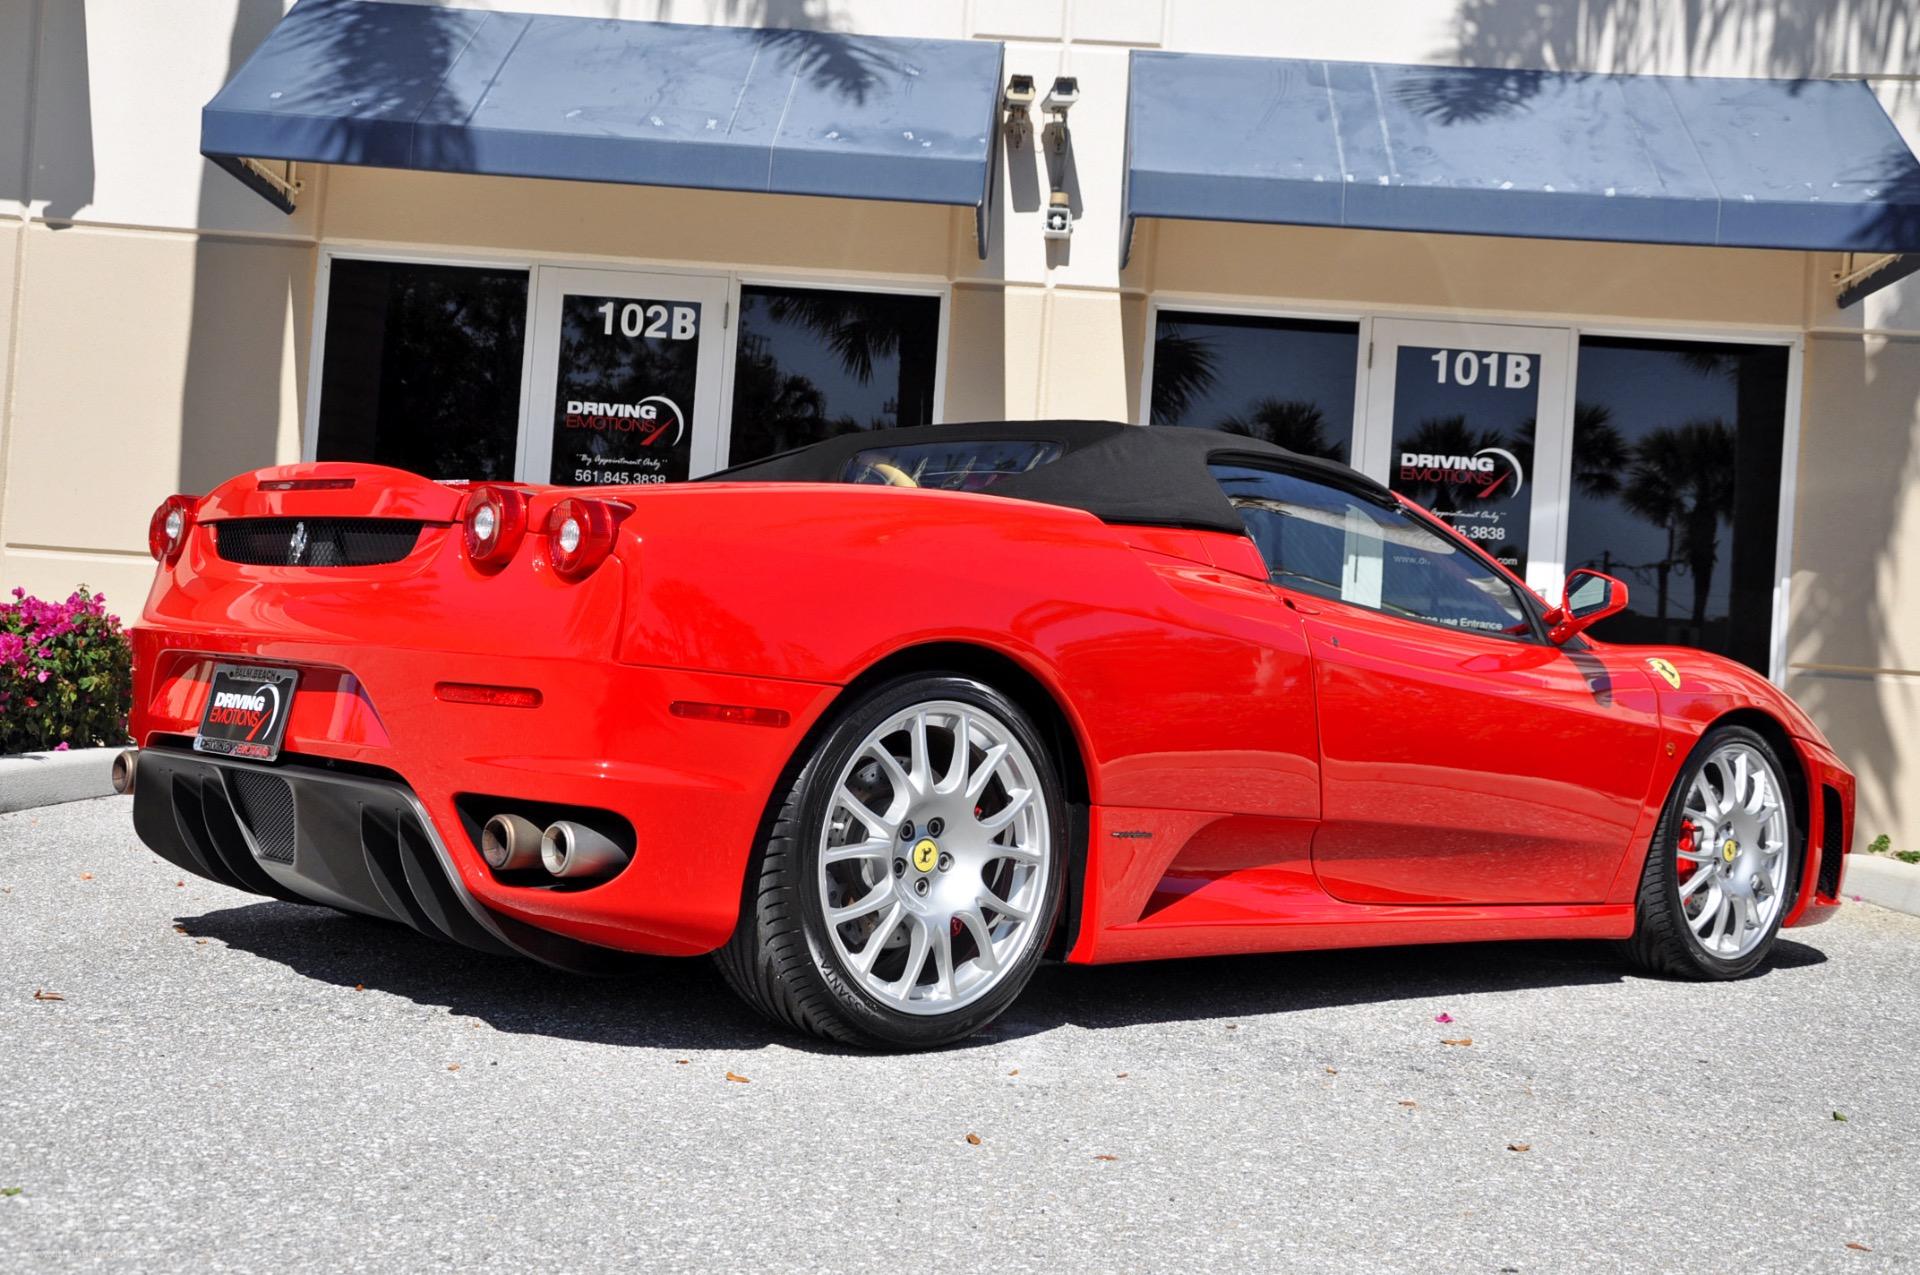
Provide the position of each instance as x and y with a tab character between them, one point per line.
651	103
1801	164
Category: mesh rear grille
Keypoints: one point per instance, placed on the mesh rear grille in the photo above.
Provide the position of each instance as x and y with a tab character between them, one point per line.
315	542
265	805
1833	842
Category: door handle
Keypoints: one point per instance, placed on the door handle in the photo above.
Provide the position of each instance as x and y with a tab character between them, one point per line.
1303	610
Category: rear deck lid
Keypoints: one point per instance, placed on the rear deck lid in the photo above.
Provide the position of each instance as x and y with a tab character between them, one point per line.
334	489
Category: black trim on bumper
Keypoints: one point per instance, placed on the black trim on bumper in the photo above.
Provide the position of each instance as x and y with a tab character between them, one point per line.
359	843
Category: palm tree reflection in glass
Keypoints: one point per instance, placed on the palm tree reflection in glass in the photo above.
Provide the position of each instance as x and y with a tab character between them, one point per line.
1185	368
786	396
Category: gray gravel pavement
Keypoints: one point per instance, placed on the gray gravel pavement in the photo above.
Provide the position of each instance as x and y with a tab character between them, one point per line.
232	1084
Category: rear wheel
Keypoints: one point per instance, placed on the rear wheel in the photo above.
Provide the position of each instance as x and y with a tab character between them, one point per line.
1721	869
912	874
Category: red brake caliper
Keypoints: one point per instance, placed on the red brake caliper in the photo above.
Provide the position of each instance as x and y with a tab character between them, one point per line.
1688	843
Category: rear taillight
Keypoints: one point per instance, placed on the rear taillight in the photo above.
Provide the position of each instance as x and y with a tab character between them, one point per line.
167	530
495	523
580	534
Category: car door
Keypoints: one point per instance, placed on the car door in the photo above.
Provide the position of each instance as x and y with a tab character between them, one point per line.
1464	759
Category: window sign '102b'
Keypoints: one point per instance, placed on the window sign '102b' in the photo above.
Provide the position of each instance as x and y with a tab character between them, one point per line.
627	381
1463	424
637	318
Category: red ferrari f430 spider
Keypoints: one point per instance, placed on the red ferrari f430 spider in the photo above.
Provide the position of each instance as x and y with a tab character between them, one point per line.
883	722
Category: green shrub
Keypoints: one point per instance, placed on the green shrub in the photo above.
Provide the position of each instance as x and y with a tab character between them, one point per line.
1883	844
66	674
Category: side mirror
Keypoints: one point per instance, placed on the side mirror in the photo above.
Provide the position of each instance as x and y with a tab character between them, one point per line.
1590	597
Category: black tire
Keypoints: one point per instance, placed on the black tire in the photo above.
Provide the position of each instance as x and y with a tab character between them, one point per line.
780	959
1663	943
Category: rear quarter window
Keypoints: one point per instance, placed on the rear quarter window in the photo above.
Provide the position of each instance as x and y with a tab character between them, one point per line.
957	466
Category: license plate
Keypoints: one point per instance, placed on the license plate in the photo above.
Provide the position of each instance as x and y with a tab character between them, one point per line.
247	711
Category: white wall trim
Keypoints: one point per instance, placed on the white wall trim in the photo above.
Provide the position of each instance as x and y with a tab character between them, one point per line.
481	254
1789	487
1325	308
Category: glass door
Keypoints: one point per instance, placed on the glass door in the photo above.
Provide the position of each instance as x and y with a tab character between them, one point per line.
1467	420
626	377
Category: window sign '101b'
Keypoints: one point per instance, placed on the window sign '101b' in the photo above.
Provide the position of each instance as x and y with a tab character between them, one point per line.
1483	367
627	384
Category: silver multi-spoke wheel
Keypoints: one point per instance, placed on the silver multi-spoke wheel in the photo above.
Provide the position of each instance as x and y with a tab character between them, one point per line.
1731	851
912	870
934	858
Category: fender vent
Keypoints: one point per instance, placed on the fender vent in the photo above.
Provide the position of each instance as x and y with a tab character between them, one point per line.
315	542
1833	842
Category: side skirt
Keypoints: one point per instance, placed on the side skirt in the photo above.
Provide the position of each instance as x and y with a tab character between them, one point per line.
1368	926
1169	883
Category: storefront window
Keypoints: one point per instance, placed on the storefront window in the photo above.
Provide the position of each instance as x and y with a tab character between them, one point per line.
1286	381
421	367
816	363
1463	424
626	376
1676	488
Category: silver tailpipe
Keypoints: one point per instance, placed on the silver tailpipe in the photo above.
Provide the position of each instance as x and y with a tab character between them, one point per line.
510	843
575	850
124	764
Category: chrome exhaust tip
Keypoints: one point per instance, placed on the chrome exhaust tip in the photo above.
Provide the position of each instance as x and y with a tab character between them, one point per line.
576	851
509	843
125	763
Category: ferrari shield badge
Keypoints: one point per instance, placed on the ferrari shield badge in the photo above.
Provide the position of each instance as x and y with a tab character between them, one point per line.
1666	669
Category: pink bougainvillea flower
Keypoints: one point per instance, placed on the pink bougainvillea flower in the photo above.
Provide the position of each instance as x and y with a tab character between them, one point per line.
60	747
47	645
1443	1018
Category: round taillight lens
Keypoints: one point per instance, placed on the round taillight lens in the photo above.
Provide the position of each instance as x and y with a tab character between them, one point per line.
496	522
580	535
167	530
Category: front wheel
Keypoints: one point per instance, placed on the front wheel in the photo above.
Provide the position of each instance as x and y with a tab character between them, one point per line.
913	871
1721	870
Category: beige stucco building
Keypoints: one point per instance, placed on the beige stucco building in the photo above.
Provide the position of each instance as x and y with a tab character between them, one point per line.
162	326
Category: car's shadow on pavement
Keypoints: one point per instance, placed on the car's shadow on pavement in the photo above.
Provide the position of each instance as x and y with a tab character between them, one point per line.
683	1004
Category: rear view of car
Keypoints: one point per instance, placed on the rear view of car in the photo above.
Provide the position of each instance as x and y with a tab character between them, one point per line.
345	675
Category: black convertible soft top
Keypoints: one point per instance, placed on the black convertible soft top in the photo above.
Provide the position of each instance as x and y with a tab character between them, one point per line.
1151	475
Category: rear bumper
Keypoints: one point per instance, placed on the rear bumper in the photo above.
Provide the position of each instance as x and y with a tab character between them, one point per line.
307	834
603	736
